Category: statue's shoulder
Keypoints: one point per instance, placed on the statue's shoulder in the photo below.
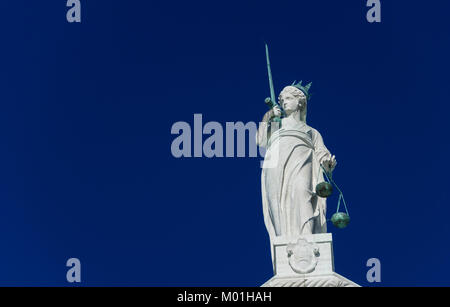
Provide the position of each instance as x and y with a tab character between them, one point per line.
313	130
314	133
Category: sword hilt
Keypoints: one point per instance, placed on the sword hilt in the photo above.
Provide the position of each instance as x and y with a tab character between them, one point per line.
271	104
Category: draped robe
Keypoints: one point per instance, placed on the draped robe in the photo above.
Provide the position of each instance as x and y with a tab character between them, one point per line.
291	170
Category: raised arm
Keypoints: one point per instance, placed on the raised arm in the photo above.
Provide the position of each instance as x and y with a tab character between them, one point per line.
266	127
261	136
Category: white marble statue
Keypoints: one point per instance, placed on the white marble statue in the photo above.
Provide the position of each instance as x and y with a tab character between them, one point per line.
291	170
295	216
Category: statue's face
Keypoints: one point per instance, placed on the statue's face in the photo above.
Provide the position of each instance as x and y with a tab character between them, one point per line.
289	102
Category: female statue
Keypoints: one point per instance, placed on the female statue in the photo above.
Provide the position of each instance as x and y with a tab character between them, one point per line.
291	169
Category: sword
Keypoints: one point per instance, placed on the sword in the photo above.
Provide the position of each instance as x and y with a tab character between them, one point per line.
270	101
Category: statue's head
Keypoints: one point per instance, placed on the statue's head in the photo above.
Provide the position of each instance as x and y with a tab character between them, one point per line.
292	99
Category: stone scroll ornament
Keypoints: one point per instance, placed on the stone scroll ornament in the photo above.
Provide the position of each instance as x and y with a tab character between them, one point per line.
324	183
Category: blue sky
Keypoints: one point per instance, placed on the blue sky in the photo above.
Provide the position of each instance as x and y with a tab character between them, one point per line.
87	110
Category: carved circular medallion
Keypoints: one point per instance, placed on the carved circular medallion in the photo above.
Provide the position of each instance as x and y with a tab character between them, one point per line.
303	256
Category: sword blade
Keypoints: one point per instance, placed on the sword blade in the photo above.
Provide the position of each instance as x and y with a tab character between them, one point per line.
269	73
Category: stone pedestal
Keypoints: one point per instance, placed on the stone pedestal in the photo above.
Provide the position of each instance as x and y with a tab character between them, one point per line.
305	261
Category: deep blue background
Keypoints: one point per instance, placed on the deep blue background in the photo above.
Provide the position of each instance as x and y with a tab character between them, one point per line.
86	111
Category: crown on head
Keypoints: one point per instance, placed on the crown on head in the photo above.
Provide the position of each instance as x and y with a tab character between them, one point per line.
303	88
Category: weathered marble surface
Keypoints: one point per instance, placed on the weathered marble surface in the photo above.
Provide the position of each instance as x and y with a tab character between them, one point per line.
310	265
292	168
295	217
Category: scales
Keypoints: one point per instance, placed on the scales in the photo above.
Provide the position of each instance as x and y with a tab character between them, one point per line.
324	190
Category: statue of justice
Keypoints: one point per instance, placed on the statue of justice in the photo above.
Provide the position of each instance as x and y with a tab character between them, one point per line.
294	190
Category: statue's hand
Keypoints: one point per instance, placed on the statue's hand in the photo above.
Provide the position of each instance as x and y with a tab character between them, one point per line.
276	111
329	164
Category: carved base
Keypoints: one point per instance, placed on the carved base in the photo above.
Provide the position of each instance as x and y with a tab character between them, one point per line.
305	261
